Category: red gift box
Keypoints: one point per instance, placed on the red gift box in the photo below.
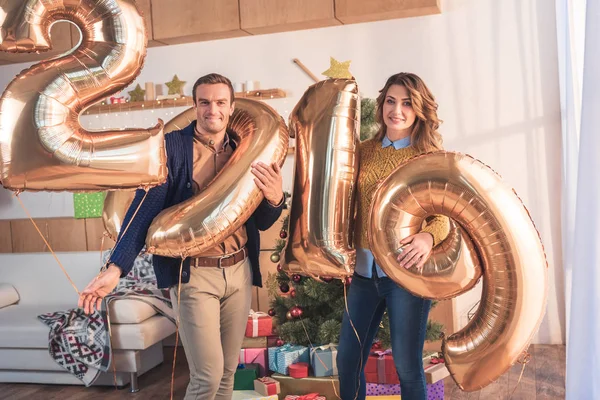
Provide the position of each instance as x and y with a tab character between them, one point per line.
298	370
266	386
380	368
311	396
259	324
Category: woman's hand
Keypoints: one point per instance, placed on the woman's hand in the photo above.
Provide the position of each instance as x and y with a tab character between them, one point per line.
416	250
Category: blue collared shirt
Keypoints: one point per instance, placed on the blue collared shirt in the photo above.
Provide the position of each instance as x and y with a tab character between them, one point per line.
364	258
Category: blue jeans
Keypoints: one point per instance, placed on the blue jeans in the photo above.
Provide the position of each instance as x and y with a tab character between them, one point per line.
367	301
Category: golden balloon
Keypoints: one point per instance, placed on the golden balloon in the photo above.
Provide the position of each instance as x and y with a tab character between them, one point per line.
195	225
493	226
42	144
325	123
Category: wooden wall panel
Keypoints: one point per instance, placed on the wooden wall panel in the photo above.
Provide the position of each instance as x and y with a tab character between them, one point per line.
354	11
94	231
145	7
25	238
182	21
5	237
67	234
268	16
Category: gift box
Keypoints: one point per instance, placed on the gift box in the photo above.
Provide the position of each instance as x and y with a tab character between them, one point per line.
298	370
310	396
434	391
280	358
382	389
326	386
255	356
245	376
323	360
259	342
380	368
251	395
266	386
259	324
435	372
88	205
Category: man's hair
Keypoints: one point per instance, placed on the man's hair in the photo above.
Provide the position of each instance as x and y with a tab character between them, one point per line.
213	79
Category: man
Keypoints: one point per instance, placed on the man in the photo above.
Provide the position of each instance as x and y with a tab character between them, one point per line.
216	290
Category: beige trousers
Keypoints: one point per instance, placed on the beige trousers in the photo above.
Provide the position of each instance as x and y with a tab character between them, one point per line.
213	312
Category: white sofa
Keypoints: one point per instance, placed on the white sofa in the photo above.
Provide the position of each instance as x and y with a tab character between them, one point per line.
42	287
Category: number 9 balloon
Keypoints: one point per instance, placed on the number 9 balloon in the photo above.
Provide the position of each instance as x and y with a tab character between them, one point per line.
496	227
42	144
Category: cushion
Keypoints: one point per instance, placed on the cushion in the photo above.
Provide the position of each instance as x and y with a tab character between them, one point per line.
129	311
8	295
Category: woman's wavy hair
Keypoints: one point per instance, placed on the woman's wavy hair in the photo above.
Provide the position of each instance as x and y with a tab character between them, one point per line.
424	136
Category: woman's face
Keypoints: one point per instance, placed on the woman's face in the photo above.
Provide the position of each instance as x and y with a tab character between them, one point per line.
398	113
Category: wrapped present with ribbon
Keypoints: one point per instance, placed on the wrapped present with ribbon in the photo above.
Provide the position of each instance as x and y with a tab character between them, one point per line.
380	368
327	386
259	324
323	360
435	391
310	396
255	356
244	377
280	358
435	372
382	389
298	370
267	386
251	395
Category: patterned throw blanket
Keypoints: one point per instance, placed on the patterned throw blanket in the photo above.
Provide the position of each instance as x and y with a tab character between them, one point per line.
80	343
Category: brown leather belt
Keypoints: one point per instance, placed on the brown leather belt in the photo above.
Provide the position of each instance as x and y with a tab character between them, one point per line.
226	260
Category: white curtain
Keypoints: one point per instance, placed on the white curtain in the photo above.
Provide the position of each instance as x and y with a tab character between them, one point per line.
578	28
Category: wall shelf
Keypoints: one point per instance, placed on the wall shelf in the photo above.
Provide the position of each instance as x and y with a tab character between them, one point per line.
185	101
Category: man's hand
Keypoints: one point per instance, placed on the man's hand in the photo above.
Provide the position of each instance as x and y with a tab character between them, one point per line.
417	250
99	288
268	179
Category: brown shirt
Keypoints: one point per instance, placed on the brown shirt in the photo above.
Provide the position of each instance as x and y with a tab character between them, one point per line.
207	162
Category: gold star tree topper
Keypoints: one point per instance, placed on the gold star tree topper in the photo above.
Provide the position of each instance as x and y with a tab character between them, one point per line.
340	70
175	86
137	94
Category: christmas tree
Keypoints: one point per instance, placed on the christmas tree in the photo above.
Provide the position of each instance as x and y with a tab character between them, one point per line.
308	311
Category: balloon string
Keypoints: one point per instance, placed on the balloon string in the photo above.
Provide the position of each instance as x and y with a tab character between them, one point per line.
177	327
122	234
362	345
47	244
526	357
319	358
113	360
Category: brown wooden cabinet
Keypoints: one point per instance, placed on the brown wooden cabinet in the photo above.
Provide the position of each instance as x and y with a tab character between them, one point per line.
354	11
269	16
182	21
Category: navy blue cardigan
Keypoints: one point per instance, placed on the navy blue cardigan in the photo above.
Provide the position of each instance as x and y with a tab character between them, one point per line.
177	188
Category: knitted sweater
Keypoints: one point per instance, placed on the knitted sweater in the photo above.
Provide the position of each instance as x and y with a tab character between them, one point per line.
376	164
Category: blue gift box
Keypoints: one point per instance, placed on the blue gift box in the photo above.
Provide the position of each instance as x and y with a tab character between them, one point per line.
280	358
323	360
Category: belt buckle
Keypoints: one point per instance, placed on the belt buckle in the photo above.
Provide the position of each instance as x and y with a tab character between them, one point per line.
224	258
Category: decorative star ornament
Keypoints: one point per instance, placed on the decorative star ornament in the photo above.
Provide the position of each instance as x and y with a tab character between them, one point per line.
175	86
137	94
340	70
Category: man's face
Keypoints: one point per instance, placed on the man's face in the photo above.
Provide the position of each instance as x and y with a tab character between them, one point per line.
213	107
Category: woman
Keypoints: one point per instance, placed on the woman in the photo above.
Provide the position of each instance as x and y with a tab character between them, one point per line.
406	113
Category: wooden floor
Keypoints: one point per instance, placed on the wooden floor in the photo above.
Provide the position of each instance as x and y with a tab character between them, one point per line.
544	378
